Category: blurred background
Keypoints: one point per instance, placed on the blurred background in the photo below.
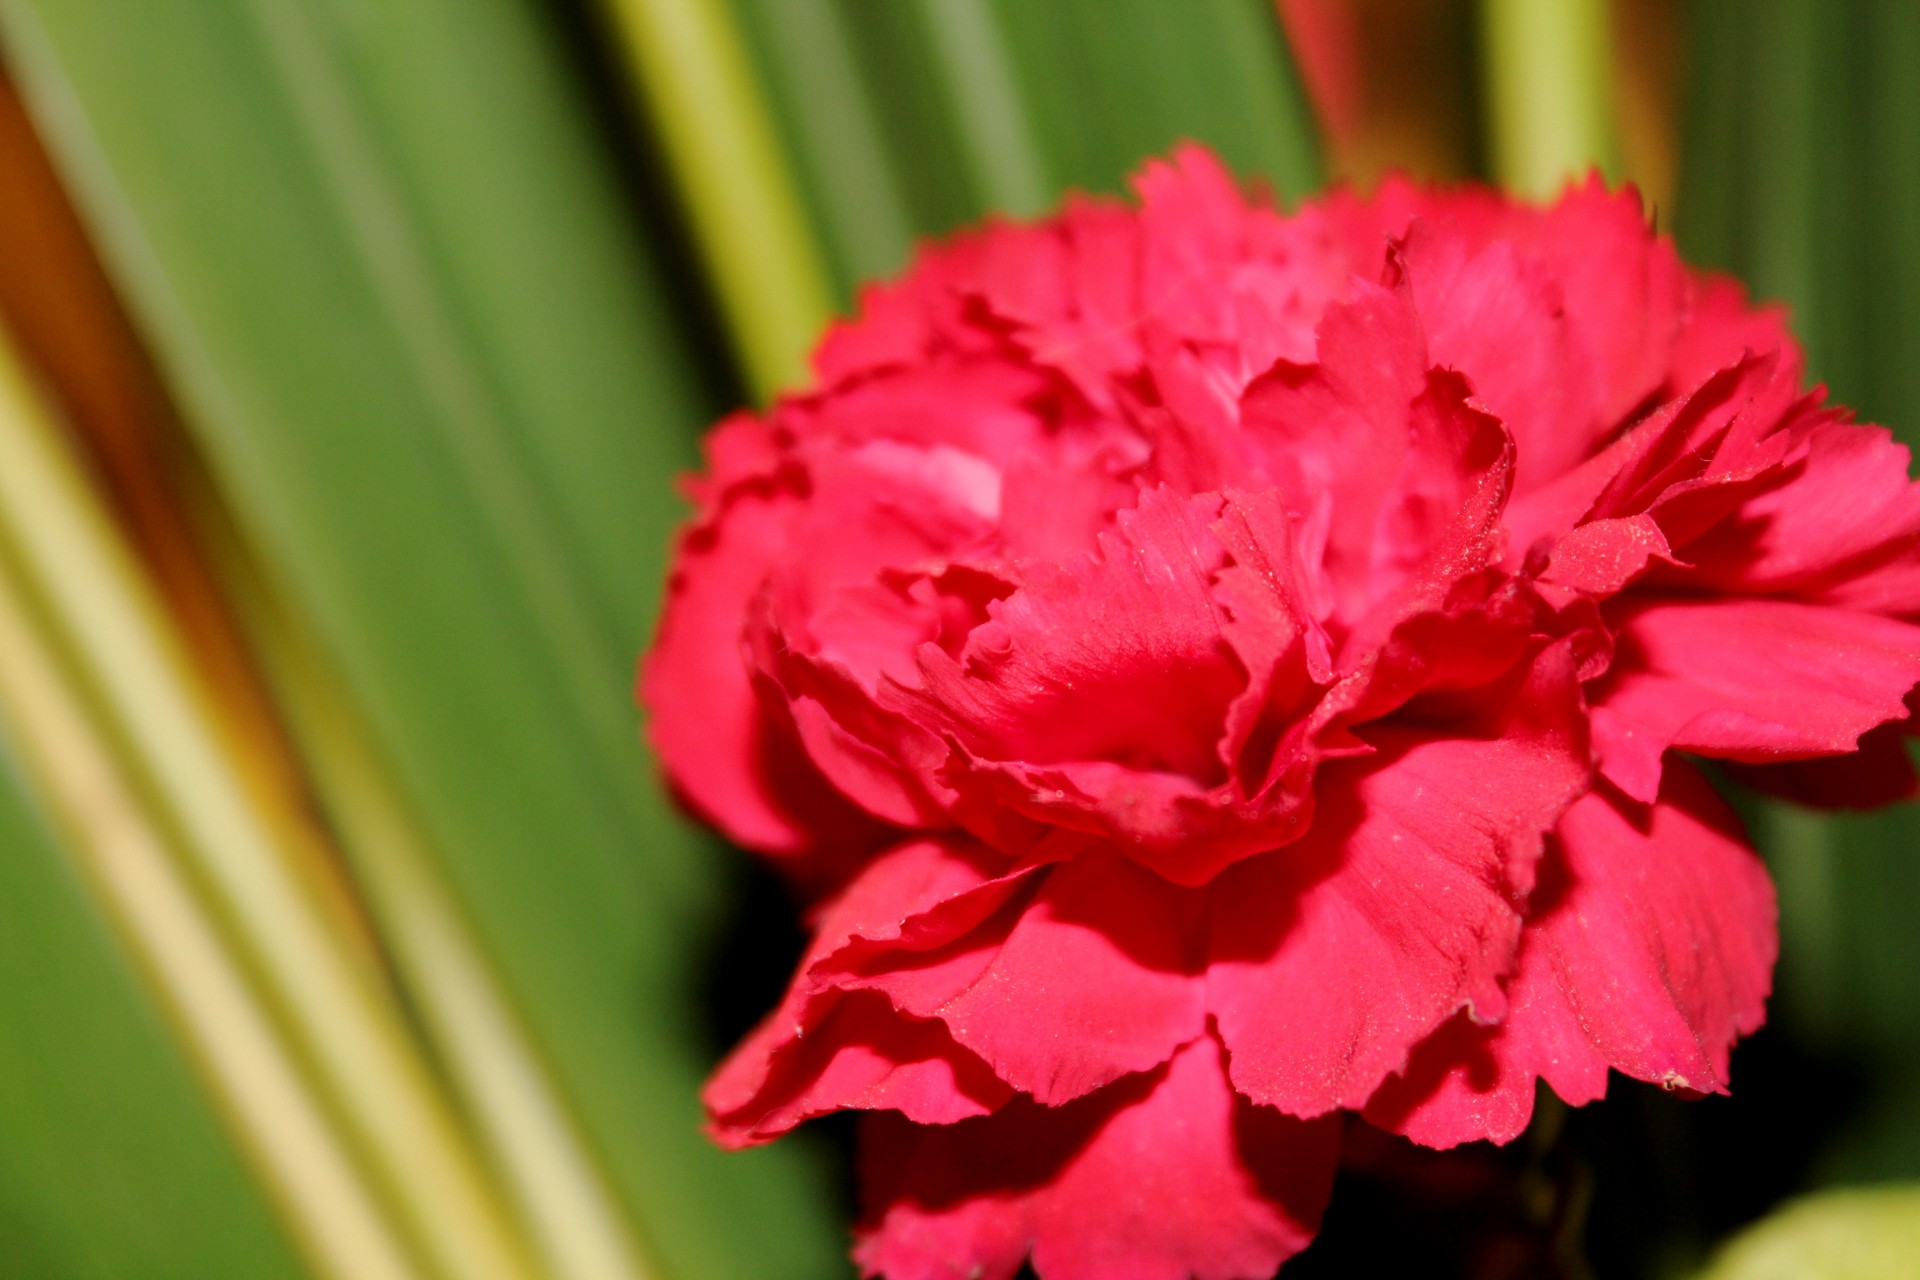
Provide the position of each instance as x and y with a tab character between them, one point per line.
348	352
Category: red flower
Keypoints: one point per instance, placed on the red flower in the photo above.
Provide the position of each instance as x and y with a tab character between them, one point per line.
1225	669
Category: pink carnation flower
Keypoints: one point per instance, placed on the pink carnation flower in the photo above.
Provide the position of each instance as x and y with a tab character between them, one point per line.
1224	669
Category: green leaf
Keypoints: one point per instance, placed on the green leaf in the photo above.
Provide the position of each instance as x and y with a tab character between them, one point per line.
1800	172
1111	83
808	56
382	259
910	118
1857	1234
108	707
112	1163
707	111
1549	91
944	110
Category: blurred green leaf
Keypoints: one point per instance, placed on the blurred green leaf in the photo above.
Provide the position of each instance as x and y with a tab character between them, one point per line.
943	110
124	744
1842	1235
1111	82
807	53
706	109
112	1163
381	257
1549	91
1801	173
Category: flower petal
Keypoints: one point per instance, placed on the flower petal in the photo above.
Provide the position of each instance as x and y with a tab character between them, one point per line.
1750	680
1167	822
1506	327
1094	698
731	755
1880	772
1334	956
1270	626
1625	289
1163	1176
1842	526
821	1050
1120	658
860	1055
1722	324
1714	436
1340	438
1093	978
1650	951
1602	556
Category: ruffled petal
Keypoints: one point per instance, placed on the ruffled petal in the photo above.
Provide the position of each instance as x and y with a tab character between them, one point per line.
1118	659
1506	326
1631	309
1163	1176
1226	275
859	1055
822	1049
730	754
1879	773
854	597
1624	289
920	319
984	405
1333	957
1340	442
1602	557
1092	978
1709	436
1270	625
1841	526
1650	951
1094	698
1721	325
1750	680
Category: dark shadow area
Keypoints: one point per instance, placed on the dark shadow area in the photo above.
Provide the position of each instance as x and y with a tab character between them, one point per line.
1638	1187
750	956
1477	1212
1673	1176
